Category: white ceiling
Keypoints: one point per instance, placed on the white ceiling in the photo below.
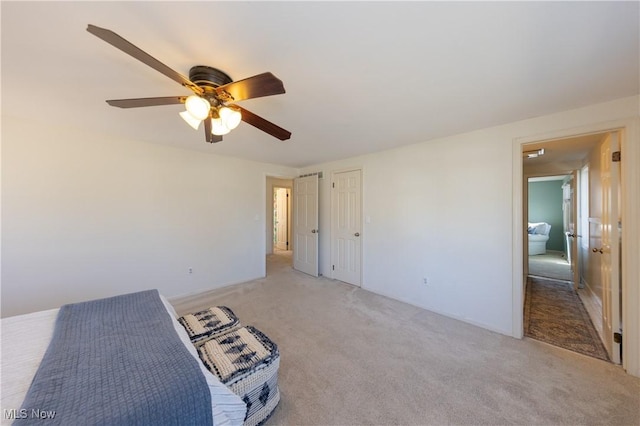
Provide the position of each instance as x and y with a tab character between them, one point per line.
560	155
360	76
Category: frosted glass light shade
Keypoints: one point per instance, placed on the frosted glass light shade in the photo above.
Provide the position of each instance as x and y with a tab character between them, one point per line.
191	121
198	107
218	128
230	117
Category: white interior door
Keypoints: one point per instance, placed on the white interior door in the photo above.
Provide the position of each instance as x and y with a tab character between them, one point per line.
572	231
281	225
305	226
346	227
610	250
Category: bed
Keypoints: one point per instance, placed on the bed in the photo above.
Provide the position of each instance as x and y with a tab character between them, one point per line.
28	345
538	234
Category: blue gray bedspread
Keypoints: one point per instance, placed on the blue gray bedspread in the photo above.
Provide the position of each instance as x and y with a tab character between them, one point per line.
117	361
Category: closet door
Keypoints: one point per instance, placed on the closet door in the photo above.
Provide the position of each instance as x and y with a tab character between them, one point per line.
346	227
305	225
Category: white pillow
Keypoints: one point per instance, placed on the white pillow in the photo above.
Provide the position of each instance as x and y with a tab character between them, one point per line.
539	228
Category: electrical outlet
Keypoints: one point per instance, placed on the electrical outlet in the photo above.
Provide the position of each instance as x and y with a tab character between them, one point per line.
425	280
191	270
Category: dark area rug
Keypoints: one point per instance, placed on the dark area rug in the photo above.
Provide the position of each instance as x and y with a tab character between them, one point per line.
554	313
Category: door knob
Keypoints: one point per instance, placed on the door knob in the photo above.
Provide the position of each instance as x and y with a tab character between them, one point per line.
313	231
571	235
357	234
595	250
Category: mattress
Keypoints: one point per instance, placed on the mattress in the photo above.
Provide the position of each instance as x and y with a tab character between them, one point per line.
25	339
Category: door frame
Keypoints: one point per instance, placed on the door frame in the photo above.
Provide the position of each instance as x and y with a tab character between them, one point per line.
288	214
525	212
630	208
268	212
576	266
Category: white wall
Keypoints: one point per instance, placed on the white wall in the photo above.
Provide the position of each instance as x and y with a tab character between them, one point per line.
444	209
87	216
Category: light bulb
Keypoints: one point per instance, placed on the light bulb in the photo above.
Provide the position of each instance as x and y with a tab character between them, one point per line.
218	128
198	107
230	117
191	121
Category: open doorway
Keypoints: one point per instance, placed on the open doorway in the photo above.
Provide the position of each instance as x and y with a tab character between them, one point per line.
281	219
279	214
568	190
549	227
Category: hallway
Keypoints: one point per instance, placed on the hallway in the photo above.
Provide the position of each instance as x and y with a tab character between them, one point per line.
555	314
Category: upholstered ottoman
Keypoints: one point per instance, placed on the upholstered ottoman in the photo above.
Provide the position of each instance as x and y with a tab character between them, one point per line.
209	323
247	362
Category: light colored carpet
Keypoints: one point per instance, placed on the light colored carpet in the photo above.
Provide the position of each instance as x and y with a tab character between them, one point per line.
350	357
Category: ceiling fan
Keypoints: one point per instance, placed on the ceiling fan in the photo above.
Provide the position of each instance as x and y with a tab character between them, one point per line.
215	93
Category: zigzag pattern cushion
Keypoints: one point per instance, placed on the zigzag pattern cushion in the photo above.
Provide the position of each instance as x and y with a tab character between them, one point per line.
209	323
247	362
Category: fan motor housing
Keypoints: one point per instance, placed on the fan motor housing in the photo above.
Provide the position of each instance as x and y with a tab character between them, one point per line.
205	76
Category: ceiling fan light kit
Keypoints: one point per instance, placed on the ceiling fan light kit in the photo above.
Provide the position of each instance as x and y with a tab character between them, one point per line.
190	119
214	93
218	128
198	107
230	117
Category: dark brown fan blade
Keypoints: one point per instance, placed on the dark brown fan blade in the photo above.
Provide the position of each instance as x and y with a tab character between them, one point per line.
265	84
210	137
264	125
207	130
122	44
145	102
